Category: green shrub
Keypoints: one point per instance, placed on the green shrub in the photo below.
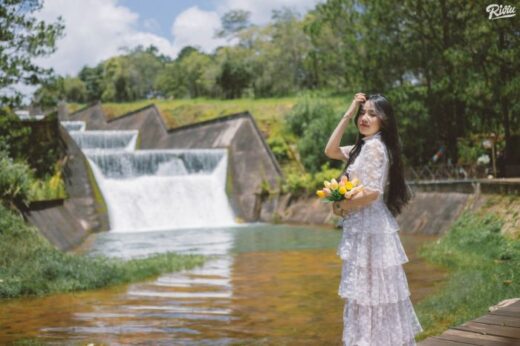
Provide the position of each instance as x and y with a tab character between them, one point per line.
50	187
15	181
279	147
35	142
312	120
14	135
306	184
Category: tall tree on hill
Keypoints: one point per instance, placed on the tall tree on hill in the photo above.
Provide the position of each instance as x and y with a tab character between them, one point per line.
23	38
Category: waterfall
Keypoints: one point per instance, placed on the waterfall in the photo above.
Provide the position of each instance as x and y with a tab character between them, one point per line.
149	190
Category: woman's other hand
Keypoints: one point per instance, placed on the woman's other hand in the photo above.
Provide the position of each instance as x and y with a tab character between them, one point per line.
336	208
342	208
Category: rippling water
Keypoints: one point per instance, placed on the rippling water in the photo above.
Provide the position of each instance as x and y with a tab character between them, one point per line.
264	285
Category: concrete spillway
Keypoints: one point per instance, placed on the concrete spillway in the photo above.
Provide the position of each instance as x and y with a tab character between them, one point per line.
149	190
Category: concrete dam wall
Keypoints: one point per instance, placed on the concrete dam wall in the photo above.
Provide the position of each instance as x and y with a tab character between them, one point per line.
249	164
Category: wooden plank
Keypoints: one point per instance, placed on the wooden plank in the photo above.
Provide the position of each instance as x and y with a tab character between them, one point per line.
505	313
500	320
476	327
512	307
436	341
477	339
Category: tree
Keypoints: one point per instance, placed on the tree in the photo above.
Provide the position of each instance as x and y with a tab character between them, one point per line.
93	79
235	75
233	22
23	38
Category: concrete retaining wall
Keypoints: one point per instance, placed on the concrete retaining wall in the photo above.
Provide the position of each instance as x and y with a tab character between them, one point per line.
434	207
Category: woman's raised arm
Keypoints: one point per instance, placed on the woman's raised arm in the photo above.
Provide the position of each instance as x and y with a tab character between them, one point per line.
332	150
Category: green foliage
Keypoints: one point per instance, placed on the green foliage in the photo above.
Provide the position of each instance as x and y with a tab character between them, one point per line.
29	265
233	22
15	181
14	136
484	266
279	147
35	142
306	184
469	151
235	76
23	38
312	120
50	187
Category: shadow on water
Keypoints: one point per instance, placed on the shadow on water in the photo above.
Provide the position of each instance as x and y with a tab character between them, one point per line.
265	284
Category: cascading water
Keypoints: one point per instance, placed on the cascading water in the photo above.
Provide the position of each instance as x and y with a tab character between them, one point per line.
149	190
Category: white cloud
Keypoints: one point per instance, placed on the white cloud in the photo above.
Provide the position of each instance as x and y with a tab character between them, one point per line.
196	27
94	31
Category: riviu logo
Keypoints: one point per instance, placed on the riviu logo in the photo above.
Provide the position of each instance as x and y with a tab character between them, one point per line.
497	11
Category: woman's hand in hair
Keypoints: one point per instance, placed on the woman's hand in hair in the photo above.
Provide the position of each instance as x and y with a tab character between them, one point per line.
358	100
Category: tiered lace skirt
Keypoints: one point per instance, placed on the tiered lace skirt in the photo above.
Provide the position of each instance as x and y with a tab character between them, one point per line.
378	310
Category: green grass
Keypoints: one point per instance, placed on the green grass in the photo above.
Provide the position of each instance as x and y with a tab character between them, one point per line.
484	265
268	112
30	265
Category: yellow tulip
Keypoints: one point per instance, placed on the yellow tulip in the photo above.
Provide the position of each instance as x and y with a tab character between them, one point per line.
342	190
320	193
326	183
334	184
355	181
349	185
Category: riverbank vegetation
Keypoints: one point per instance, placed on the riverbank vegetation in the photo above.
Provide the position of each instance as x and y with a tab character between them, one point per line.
484	265
30	265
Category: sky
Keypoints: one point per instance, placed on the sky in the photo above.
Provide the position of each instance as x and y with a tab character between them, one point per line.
96	29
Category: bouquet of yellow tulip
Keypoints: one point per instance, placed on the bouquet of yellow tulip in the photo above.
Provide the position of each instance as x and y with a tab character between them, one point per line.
336	191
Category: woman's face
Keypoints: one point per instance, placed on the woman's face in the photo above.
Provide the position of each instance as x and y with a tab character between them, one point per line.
368	122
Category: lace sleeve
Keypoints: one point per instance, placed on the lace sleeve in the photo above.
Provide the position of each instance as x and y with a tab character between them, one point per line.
345	150
374	166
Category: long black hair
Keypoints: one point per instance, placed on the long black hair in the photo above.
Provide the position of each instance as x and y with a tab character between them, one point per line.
398	193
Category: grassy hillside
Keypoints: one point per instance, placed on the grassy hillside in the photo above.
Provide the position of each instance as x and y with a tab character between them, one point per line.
267	112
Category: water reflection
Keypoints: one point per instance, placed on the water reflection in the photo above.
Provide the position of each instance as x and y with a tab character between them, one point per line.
265	284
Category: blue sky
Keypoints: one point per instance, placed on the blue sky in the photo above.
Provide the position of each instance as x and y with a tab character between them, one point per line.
161	12
95	30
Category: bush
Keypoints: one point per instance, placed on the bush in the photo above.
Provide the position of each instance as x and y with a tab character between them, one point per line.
312	120
306	184
15	181
36	142
279	147
14	136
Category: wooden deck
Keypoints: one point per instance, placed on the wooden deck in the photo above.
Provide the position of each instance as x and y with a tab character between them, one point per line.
501	327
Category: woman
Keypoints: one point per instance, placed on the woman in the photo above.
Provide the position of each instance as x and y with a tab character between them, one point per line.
378	310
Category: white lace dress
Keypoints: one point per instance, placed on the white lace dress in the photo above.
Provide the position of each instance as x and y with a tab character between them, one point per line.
378	310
